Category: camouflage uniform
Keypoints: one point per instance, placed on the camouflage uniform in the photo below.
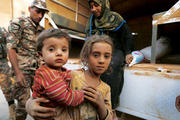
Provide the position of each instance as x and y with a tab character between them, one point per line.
3	53
6	81
22	37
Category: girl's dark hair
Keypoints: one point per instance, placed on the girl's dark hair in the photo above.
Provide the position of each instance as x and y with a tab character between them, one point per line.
87	48
56	33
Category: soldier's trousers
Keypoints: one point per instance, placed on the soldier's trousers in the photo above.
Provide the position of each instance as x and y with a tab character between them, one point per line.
14	91
22	94
7	84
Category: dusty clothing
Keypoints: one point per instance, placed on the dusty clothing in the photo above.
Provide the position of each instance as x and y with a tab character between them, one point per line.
6	81
4	68
85	111
22	37
54	85
112	24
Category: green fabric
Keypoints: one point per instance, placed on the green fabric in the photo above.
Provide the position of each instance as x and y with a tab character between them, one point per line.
108	20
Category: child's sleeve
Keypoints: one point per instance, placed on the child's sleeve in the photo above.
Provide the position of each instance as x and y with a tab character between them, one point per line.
57	90
37	86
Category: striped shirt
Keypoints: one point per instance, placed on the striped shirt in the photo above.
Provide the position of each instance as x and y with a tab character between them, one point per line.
54	85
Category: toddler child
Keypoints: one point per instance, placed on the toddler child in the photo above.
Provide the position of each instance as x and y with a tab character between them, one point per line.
52	79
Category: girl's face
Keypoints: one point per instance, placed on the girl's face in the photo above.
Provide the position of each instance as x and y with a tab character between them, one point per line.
100	57
55	52
95	9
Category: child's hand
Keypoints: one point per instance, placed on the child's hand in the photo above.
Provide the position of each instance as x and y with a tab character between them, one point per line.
93	95
178	103
96	98
129	58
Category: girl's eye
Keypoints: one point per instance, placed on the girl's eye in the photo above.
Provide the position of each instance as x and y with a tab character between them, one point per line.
107	56
64	49
96	55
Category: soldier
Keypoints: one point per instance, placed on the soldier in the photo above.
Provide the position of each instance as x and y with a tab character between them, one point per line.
6	81
21	45
3	53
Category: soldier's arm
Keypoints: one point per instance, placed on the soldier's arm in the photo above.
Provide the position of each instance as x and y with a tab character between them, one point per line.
13	59
12	42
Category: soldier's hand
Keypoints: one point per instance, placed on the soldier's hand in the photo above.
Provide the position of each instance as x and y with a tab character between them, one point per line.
20	79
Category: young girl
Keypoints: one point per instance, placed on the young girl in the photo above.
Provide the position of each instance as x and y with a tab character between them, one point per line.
52	79
105	21
96	56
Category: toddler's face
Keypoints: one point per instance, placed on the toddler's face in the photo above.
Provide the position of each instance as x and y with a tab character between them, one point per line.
55	52
100	57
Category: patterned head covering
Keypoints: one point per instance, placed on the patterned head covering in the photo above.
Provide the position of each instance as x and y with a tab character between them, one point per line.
39	4
102	3
108	21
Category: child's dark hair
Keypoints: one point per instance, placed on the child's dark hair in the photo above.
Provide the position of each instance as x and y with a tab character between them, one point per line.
56	33
87	48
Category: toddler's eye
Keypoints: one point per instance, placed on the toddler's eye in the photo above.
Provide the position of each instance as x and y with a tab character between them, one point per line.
51	49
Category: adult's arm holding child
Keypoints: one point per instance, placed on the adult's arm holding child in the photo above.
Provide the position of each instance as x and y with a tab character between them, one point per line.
39	112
